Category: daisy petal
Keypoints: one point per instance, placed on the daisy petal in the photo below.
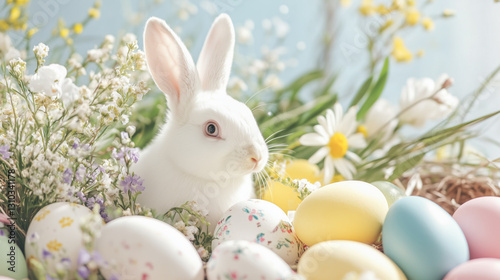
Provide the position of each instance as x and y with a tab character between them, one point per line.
356	141
353	157
339	113
349	125
318	155
321	131
324	124
329	170
341	165
331	122
313	139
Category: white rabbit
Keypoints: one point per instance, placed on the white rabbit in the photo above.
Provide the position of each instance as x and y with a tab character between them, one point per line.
210	144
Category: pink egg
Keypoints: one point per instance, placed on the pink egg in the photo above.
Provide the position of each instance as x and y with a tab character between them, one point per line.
483	269
479	219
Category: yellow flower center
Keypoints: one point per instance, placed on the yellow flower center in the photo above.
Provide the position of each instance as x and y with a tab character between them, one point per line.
338	145
362	129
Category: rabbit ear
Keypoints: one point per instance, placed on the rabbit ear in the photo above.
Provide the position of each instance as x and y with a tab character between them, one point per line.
171	65
216	57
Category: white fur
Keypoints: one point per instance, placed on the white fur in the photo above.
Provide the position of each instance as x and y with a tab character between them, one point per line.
182	163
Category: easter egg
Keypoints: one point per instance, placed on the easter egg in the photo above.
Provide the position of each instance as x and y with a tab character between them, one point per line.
331	260
58	234
423	239
284	196
241	259
391	192
477	269
346	210
138	247
479	219
261	222
12	261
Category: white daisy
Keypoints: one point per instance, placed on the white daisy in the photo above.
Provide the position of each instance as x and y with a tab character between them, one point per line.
336	134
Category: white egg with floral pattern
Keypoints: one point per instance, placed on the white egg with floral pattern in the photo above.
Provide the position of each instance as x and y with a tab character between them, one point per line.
240	259
138	247
261	222
54	237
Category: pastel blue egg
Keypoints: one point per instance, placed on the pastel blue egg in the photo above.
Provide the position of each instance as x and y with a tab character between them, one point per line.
423	239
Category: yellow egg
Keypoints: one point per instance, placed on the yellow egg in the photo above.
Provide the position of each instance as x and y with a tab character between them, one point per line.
347	210
284	196
341	259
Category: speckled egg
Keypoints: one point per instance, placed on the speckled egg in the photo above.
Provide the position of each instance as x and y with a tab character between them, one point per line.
423	239
347	210
240	259
12	261
339	259
479	219
261	222
138	247
55	232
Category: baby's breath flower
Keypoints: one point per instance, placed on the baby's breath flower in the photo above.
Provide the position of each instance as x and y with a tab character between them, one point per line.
16	67
41	50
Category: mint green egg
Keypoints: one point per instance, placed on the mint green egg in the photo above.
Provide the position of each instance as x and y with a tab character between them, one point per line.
12	261
391	192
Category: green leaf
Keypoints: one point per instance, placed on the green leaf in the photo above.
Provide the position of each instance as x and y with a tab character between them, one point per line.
405	166
362	91
375	92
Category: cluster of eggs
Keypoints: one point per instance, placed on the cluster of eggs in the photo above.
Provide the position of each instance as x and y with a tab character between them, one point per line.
330	237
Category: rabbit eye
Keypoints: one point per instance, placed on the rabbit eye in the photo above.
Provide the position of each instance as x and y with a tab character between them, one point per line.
212	129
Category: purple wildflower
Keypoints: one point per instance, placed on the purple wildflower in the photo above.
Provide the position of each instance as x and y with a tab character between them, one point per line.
97	258
67	176
4	151
124	135
133	154
48	277
2	233
119	155
132	184
76	144
80	173
66	261
83	272
46	254
81	196
83	257
114	277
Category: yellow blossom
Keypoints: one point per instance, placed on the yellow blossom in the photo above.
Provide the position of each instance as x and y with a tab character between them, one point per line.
428	23
78	28
412	16
345	3
32	32
21	2
4	25
69	41
399	50
367	8
420	53
382	9
64	32
94	13
15	13
411	3
448	13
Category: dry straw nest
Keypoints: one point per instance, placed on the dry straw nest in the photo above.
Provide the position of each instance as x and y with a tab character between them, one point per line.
451	185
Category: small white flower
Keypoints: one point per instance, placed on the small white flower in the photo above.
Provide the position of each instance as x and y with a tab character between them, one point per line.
281	27
244	35
41	50
381	120
305	186
236	84
129	38
48	80
273	81
336	134
424	99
